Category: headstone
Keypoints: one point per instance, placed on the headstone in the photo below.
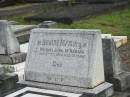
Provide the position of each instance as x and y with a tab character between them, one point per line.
113	66
9	46
47	24
22	32
67	60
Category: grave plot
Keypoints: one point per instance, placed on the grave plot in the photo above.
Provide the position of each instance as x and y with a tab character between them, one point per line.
68	61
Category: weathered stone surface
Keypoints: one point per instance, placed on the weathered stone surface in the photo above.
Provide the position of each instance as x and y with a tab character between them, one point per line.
111	56
66	57
17	29
67	60
34	92
113	66
13	59
29	91
9	46
103	90
120	40
22	32
23	38
8	42
8	81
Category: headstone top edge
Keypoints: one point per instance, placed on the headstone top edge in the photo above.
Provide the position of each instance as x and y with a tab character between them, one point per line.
73	31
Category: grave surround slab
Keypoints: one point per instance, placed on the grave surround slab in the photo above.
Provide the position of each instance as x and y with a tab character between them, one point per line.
36	92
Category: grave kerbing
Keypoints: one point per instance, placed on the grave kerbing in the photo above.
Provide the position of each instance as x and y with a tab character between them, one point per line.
75	54
9	46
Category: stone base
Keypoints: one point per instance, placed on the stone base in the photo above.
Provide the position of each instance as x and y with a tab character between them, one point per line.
12	59
103	90
8	82
121	82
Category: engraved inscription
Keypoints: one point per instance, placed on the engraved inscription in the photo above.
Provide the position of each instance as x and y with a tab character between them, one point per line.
60	58
64	43
56	79
56	64
62	48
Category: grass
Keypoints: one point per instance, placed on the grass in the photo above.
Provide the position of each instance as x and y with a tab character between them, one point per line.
116	23
20	20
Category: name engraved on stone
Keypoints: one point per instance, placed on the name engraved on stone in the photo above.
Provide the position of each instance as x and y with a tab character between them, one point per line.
63	48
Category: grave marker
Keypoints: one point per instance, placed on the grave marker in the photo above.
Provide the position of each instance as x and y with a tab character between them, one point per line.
67	60
114	72
9	46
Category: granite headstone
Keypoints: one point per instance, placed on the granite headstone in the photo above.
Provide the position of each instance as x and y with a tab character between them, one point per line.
67	60
114	72
9	46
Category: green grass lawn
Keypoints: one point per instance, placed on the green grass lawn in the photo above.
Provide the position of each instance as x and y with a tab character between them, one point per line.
116	23
20	20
